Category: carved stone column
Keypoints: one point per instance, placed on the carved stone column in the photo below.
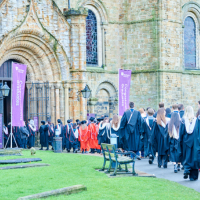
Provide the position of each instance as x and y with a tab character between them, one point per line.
57	89
52	103
28	86
66	86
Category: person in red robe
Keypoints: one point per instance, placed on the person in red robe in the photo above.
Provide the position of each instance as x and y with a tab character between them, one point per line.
84	137
93	133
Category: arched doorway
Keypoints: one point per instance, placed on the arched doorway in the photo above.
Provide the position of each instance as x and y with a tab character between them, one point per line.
5	103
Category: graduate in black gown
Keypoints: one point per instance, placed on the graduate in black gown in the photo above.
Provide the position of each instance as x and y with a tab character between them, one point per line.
148	131
189	144
173	136
115	129
6	135
44	135
74	138
50	132
104	131
161	105
32	130
17	135
68	131
181	110
24	135
61	129
159	136
131	129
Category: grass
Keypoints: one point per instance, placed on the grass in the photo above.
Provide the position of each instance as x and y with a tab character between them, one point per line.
74	169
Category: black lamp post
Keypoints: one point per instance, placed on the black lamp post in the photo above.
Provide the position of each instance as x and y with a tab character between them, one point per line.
5	90
86	92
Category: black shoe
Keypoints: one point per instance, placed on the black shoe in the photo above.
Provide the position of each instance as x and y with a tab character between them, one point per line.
182	168
52	148
165	166
150	159
47	149
41	149
82	152
185	175
159	166
175	169
179	167
68	150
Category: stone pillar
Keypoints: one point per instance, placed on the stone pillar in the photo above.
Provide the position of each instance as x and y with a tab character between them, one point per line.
77	20
52	103
92	103
66	86
28	86
57	89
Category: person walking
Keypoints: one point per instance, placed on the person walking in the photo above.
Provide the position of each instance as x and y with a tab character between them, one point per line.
189	148
24	136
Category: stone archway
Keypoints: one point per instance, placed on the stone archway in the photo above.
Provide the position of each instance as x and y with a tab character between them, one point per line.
105	101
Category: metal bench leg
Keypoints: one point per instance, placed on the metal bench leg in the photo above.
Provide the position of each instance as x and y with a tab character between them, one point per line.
115	172
104	164
133	169
126	168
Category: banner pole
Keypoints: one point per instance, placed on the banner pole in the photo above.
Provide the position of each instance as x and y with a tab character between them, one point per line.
11	106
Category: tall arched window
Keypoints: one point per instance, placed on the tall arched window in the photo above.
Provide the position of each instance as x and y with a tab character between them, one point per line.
91	39
190	43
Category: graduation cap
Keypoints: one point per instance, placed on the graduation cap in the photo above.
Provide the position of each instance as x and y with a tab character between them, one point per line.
77	120
105	116
100	119
83	122
92	119
42	122
59	121
68	121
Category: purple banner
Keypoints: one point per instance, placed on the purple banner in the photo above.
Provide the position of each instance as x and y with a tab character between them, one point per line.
35	119
18	86
124	90
1	132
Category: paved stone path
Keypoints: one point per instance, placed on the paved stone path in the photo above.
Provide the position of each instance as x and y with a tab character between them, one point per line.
168	173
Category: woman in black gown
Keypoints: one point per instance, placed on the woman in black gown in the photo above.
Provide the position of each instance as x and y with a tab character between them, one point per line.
189	144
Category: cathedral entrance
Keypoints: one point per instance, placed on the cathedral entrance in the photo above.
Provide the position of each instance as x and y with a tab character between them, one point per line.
5	103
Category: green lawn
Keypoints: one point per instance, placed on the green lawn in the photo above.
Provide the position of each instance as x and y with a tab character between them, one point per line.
73	169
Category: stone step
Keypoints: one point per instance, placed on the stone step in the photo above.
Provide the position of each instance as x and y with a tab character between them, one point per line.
62	191
24	166
21	160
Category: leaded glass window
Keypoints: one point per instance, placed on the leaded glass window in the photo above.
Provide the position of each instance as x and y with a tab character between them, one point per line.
190	43
91	39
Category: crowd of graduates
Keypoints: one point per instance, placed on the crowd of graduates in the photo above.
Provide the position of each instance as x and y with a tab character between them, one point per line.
170	135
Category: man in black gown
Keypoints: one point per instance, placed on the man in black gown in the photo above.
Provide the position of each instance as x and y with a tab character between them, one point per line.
44	136
130	129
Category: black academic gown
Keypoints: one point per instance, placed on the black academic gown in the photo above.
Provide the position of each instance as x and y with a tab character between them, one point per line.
116	132
158	139
130	130
181	113
61	135
189	147
104	133
31	138
68	131
44	135
50	133
17	136
148	131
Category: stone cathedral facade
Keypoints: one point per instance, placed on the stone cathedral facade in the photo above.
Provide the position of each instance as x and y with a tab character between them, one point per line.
65	49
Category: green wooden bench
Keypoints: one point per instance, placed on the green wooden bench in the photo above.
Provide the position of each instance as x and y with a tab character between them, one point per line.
119	159
105	155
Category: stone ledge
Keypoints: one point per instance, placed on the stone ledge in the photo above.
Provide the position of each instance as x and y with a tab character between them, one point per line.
21	160
63	191
24	166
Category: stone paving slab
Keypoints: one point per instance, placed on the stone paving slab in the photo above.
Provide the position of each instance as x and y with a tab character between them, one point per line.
21	160
11	152
63	191
167	173
24	166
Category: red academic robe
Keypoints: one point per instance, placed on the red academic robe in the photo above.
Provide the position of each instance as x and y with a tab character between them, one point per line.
93	133
84	139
